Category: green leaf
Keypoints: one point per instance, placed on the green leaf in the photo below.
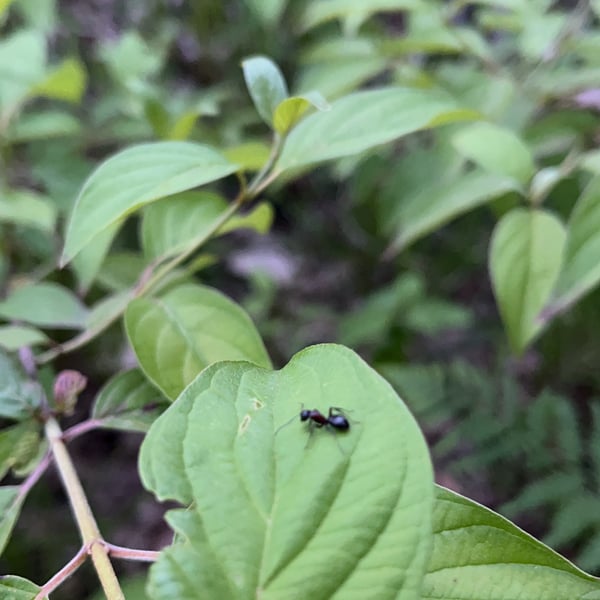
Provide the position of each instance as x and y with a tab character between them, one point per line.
259	219
43	125
46	305
18	396
526	254
268	11
277	513
4	4
496	149
266	85
66	82
581	267
135	177
128	402
19	76
18	445
180	333
477	553
87	263
251	156
363	120
13	337
429	208
23	207
169	226
10	507
291	110
121	270
355	10
17	588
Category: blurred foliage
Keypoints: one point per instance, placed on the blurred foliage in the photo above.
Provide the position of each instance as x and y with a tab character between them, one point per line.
386	251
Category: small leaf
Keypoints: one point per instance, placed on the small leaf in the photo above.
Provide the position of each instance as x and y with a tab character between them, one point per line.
266	85
13	337
525	259
128	401
478	553
169	226
581	270
43	125
10	507
180	333
17	588
135	177
19	397
278	514
291	110
431	207
251	156
68	385
66	82
46	305
363	120
496	150
259	219
18	445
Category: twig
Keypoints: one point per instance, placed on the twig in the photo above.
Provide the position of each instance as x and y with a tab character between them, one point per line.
132	553
81	428
64	573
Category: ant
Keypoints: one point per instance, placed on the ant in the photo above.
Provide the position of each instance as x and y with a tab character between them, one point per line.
336	419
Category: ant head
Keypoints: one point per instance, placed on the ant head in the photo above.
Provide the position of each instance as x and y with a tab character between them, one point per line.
305	415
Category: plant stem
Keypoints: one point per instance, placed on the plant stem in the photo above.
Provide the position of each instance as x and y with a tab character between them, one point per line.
256	185
35	475
64	573
80	429
90	534
132	553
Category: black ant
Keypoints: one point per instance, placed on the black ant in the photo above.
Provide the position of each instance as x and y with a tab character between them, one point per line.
336	419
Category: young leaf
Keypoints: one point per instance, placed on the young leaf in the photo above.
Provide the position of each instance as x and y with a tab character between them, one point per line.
180	333
431	207
128	402
496	149
46	305
259	219
19	444
17	588
266	85
581	269
66	82
525	258
135	177
291	110
366	119
475	549
276	512
10	507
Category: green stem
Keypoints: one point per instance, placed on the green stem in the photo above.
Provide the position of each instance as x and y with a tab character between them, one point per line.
88	529
264	176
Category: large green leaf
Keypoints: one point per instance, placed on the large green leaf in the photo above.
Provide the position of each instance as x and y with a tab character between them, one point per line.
266	85
128	401
496	149
10	507
278	513
431	207
135	177
17	588
525	260
581	268
46	305
178	334
478	554
365	119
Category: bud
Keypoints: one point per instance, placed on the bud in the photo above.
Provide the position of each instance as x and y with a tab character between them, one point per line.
67	386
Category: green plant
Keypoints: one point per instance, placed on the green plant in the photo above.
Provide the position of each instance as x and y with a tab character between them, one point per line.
267	511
